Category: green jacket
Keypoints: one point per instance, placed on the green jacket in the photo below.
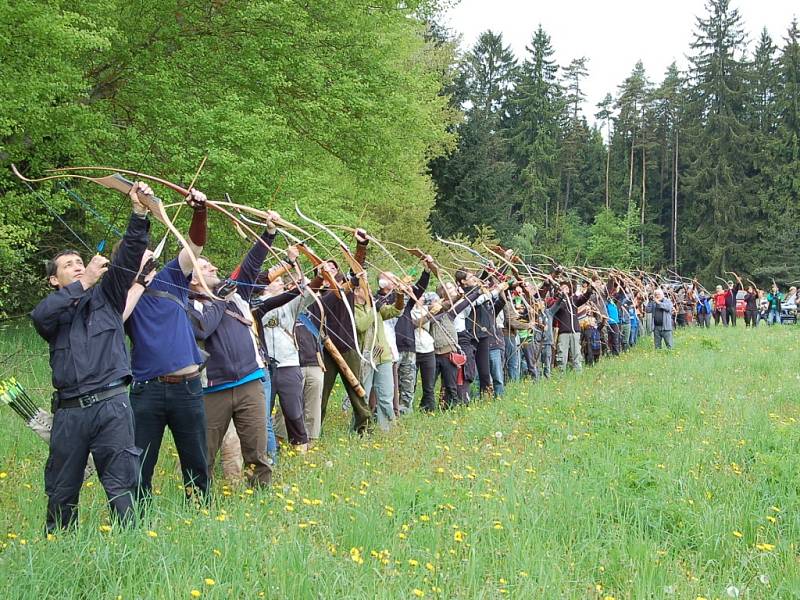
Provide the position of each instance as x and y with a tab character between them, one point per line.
365	323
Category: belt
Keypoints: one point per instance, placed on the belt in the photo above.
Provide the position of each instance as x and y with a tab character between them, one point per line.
87	400
172	379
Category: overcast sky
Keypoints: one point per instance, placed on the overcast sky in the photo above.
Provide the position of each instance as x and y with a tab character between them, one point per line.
613	34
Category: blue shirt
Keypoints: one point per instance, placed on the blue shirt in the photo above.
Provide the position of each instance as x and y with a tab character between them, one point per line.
257	374
162	339
613	313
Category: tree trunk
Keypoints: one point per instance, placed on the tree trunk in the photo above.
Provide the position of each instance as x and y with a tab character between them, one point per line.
608	166
644	204
675	205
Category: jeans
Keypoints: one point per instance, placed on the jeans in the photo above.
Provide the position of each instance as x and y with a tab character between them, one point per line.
382	381
513	357
773	316
496	370
625	336
180	407
272	444
546	360
407	380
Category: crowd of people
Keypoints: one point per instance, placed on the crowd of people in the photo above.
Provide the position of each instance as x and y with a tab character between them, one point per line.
209	356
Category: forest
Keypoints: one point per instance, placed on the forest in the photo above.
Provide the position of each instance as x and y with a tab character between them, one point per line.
367	113
696	171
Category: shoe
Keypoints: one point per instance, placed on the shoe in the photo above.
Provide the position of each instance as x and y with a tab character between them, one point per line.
301	448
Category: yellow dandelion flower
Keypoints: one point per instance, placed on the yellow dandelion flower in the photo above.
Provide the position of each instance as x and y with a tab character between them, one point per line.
105	528
413	562
217	552
152	534
3	475
195	593
429	566
737	534
459	536
765	547
208	581
418	593
771	519
497	525
402	535
424	518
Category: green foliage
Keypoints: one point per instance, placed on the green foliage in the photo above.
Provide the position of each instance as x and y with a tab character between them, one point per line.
611	240
710	159
337	103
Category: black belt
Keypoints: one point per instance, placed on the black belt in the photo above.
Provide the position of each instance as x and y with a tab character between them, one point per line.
87	400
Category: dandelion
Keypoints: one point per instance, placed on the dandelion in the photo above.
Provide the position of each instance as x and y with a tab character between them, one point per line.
209	582
105	528
424	518
764	579
355	556
152	534
195	593
217	553
765	547
429	566
418	593
3	475
737	534
413	562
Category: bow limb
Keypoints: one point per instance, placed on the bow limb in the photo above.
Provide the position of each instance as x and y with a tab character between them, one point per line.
152	203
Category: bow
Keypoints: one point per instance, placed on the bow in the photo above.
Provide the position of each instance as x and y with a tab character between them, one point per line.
154	204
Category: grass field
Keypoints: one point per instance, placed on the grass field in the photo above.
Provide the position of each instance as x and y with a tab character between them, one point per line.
653	475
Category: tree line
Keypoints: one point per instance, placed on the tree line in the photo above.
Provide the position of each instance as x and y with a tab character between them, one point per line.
699	173
335	104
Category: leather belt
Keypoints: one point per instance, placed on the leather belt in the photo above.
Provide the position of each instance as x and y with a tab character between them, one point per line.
87	400
172	379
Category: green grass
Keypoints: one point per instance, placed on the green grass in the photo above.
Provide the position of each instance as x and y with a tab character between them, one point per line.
631	480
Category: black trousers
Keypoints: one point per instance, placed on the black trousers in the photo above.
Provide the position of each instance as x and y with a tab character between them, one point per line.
449	374
106	430
482	362
426	365
179	406
287	384
362	415
750	317
731	316
613	338
470	368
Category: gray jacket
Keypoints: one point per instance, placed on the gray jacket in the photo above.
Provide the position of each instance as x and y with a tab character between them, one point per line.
665	307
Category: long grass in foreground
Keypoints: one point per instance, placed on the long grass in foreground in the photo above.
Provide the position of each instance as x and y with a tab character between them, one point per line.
653	475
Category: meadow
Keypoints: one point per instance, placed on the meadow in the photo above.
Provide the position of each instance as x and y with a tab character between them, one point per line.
652	475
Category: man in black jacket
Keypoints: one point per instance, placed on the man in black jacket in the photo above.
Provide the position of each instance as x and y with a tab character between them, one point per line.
569	330
235	366
82	323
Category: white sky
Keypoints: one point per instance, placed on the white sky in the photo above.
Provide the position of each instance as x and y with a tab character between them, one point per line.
613	34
